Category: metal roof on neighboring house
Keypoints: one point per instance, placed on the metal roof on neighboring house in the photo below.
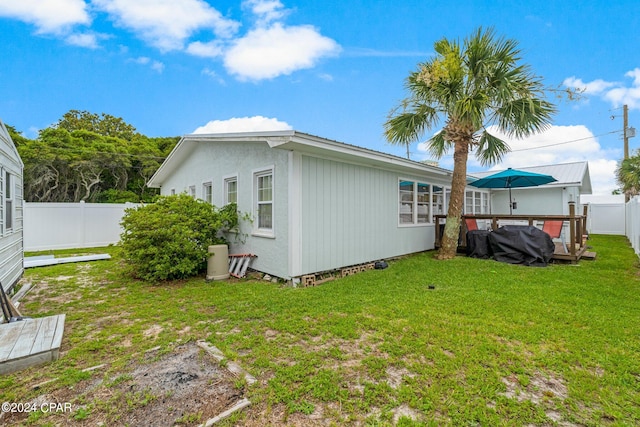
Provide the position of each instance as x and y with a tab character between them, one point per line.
574	174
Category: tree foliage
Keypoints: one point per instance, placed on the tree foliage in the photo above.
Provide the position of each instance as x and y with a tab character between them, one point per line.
169	239
628	175
92	158
469	86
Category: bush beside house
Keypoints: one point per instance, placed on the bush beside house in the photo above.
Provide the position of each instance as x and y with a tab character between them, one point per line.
169	239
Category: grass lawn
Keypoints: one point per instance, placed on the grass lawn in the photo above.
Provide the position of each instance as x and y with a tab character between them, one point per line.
492	344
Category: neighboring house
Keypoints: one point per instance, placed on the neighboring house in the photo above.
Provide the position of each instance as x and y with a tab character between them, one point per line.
11	243
317	205
573	180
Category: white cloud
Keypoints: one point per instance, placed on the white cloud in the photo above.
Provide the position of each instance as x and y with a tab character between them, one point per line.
88	40
265	11
616	93
145	60
559	144
211	49
166	24
267	49
595	87
266	53
49	16
243	124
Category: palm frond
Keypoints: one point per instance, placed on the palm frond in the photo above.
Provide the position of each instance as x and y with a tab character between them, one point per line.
438	146
410	125
490	149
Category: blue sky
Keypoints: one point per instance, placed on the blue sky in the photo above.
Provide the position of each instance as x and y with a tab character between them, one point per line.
333	69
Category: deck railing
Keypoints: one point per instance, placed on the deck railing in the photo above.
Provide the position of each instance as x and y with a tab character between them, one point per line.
575	240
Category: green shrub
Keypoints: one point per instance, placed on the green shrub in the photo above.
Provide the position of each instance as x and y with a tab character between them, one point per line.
169	239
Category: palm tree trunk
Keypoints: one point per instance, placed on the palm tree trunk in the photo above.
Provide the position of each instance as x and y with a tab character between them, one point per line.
449	245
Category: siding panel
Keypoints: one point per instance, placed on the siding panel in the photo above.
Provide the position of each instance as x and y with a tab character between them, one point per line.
349	216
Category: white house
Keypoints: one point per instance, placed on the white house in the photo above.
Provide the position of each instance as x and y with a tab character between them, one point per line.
317	205
573	181
11	241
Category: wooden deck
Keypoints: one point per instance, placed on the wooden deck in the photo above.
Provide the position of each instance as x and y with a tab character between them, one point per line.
575	233
30	342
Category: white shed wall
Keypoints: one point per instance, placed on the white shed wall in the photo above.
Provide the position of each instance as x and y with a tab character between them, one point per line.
11	239
534	200
212	162
349	215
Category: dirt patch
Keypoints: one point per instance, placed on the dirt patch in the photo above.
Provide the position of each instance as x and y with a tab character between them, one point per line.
185	387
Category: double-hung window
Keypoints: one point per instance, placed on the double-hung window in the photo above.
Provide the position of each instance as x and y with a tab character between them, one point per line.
414	206
263	202
8	201
207	192
231	190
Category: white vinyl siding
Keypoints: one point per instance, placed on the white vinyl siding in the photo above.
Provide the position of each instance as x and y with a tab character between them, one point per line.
349	215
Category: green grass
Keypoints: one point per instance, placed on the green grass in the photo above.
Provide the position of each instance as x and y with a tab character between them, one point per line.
492	344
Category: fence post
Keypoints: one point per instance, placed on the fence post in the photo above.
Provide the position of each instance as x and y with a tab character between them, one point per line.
572	228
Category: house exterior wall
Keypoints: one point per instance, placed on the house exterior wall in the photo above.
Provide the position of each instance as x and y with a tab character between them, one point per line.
534	200
215	162
11	223
349	215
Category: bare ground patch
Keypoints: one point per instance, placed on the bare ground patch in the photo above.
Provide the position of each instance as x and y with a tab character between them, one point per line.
185	387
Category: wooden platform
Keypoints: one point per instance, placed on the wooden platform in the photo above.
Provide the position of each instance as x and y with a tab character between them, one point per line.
30	342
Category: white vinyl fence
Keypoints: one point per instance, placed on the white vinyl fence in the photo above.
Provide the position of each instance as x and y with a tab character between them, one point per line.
72	225
633	223
606	218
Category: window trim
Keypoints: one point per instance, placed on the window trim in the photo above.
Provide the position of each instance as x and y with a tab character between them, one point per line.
207	184
415	203
225	185
8	183
257	230
191	191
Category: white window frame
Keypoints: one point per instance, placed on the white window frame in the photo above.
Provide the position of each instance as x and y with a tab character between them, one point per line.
478	199
226	181
191	191
207	187
257	230
9	207
414	203
446	191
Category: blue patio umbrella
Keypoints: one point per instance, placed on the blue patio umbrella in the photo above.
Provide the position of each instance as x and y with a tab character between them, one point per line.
513	178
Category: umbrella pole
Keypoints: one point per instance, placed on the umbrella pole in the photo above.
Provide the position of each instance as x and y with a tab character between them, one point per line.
510	203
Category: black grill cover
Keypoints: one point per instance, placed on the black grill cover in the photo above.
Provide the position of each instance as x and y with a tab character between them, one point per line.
521	244
478	244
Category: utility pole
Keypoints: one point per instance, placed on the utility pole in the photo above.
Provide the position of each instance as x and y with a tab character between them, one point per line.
625	124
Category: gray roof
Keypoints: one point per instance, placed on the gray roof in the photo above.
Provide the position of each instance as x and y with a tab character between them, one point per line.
567	174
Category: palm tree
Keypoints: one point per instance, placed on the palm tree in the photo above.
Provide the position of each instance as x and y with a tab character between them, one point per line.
628	174
472	86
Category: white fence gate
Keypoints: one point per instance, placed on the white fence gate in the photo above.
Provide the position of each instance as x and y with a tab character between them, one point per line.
72	225
606	218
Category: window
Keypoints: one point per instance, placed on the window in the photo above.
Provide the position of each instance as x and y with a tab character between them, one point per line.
263	189
231	190
8	201
173	192
439	206
476	202
192	191
207	192
414	206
